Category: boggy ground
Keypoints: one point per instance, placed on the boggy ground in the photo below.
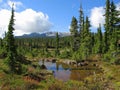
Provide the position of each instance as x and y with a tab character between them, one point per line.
35	78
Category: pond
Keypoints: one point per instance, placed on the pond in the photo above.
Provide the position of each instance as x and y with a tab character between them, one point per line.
66	72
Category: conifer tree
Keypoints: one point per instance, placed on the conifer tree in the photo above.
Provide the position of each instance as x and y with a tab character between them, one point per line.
46	46
81	20
74	33
81	25
11	59
107	26
85	46
114	18
92	42
98	43
57	45
113	42
1	43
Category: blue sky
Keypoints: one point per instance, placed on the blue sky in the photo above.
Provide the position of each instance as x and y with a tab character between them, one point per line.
55	15
60	12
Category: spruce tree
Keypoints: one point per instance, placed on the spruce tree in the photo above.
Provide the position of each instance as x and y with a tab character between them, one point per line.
114	18
46	46
107	26
81	25
98	43
11	59
57	45
85	46
74	34
113	42
81	21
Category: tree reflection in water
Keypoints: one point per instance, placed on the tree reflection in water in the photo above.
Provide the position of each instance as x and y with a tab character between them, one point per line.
66	72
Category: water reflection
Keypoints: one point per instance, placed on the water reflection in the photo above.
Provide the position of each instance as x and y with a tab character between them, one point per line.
63	75
65	72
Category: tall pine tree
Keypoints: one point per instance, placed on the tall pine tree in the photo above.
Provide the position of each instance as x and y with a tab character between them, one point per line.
81	25
114	18
98	41
85	46
57	45
11	59
74	34
107	27
81	20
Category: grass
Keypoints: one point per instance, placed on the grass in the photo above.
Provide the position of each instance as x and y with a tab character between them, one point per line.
16	82
108	79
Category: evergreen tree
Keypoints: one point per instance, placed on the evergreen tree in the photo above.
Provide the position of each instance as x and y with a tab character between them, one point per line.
1	43
11	59
85	46
98	43
57	45
113	42
92	42
107	26
81	25
74	27
81	20
74	33
46	46
114	18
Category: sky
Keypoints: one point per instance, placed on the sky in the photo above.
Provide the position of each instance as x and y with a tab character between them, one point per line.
49	15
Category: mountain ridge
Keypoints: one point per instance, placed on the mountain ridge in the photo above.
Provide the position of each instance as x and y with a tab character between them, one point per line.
42	35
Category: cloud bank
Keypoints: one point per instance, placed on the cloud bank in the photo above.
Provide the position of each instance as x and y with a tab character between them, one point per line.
26	21
96	16
29	21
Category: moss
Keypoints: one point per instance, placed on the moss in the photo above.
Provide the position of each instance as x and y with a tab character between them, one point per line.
117	84
12	81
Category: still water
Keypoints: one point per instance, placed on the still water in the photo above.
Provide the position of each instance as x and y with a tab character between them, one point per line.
67	72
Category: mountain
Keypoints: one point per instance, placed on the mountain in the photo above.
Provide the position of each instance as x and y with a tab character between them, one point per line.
46	34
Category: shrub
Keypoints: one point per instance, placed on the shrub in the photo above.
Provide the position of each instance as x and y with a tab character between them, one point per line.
65	54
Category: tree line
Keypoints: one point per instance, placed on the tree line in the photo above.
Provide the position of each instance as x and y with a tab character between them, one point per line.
80	45
85	43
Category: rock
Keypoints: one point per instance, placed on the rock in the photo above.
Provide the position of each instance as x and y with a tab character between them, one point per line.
85	63
94	65
69	62
53	60
73	62
43	66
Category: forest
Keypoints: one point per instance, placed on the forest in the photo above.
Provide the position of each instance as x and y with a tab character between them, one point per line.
94	52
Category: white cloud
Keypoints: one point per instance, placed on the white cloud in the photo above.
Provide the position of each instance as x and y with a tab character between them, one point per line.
4	20
16	4
118	6
96	16
26	21
7	5
31	21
